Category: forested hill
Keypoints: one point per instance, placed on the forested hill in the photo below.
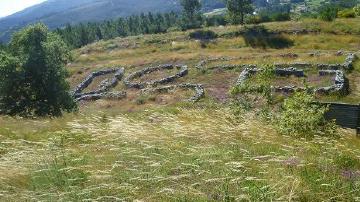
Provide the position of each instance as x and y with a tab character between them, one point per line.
57	13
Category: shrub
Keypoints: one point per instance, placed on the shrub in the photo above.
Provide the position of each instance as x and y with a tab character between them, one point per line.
357	10
265	16
254	19
203	35
302	116
260	37
215	20
263	84
347	13
281	17
328	13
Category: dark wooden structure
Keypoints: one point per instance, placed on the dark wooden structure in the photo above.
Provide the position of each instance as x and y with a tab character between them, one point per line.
345	115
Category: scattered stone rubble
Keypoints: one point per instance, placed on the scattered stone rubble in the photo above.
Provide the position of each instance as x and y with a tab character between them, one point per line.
289	55
202	63
104	86
141	85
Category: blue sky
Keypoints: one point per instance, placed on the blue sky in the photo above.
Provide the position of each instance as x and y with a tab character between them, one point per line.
8	7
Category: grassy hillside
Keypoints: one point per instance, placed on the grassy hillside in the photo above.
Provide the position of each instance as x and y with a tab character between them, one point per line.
158	147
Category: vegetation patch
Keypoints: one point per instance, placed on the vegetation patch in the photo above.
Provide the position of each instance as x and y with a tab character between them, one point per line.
260	37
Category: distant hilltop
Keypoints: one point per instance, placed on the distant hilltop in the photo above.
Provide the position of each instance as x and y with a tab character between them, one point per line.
57	13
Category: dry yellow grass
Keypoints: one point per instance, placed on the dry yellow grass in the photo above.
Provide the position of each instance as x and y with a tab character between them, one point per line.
197	154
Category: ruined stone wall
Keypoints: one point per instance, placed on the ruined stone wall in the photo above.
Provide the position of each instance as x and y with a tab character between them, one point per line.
183	71
150	86
104	87
340	82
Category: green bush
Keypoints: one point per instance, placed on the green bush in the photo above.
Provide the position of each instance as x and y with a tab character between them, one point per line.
203	35
302	116
328	13
215	20
268	17
259	83
357	10
254	19
347	13
260	37
281	17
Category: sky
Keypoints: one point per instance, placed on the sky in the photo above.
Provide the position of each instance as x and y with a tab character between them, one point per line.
8	7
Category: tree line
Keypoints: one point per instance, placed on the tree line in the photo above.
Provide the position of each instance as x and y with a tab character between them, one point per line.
190	17
82	34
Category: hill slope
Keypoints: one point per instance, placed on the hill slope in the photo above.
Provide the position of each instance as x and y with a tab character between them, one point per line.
57	13
159	148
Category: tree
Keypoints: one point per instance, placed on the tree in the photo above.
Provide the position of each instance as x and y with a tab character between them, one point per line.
3	47
32	75
84	35
191	17
328	12
237	9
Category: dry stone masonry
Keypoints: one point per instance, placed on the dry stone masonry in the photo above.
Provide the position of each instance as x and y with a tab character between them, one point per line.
295	69
340	82
104	86
150	86
347	65
183	71
198	88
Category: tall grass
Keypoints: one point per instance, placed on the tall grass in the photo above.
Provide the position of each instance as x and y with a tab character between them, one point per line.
181	154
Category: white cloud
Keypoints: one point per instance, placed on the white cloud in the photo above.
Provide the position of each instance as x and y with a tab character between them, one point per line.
8	7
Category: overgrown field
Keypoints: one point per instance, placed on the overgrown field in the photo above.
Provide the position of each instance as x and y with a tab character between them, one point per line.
159	147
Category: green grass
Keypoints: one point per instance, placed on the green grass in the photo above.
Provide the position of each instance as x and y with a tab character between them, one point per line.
178	154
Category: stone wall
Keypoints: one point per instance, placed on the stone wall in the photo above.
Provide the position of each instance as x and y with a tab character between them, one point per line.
198	88
183	71
151	86
104	87
104	95
347	65
340	82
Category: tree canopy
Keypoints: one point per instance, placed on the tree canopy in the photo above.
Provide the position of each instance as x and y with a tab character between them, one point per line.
191	13
32	74
237	9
